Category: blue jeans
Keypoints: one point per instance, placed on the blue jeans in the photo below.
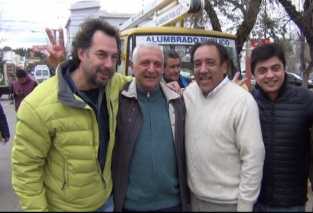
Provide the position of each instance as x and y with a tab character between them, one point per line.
259	207
107	206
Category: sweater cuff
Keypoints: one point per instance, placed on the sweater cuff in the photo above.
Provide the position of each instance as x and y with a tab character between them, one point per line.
244	206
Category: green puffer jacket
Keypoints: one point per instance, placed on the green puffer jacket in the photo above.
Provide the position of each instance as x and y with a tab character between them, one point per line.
55	151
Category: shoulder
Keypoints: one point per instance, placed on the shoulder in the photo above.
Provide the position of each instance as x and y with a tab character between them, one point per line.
45	93
233	91
238	96
121	78
191	89
302	91
300	94
117	82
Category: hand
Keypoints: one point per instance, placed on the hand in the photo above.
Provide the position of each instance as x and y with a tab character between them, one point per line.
55	52
175	87
237	80
57	49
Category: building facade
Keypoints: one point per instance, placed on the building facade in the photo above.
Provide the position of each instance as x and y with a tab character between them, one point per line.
82	10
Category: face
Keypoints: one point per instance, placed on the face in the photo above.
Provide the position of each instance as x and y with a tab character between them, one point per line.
148	68
172	69
270	76
22	80
208	70
99	62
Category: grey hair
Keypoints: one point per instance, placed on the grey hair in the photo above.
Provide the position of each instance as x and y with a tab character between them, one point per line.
135	56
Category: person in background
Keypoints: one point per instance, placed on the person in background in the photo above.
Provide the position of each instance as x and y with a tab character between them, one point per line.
286	114
224	147
4	127
22	86
149	171
65	132
172	69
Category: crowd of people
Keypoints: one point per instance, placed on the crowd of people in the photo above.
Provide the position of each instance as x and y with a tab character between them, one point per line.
92	139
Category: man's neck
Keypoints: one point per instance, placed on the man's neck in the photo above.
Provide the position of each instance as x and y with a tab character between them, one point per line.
145	90
273	96
80	80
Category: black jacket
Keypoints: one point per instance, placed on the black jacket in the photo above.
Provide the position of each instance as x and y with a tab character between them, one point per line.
4	128
129	123
286	125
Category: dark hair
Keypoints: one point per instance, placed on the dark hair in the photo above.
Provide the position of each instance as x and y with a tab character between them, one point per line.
170	54
20	73
224	57
265	52
83	38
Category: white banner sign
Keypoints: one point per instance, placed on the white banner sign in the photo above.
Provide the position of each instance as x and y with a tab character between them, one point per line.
182	40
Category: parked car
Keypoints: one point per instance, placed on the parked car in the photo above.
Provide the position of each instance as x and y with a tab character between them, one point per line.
294	79
297	80
41	72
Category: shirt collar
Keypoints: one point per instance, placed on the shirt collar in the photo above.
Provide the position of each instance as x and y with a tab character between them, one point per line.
218	87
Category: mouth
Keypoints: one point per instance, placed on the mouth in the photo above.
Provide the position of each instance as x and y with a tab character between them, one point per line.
271	83
104	75
205	78
151	78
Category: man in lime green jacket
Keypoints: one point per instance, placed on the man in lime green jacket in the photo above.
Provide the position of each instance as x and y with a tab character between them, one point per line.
65	133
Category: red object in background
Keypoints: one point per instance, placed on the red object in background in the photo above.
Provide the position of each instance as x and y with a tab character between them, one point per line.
257	42
248	75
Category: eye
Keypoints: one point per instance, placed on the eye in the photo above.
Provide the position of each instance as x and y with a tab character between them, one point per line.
261	70
197	64
145	63
210	62
276	68
101	55
157	64
115	57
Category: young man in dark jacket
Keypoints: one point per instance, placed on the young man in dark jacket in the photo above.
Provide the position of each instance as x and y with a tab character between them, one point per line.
286	115
148	166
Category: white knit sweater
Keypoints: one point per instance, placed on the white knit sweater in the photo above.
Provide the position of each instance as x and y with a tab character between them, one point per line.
224	145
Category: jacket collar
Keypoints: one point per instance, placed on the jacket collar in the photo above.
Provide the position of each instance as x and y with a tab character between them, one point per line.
131	91
65	93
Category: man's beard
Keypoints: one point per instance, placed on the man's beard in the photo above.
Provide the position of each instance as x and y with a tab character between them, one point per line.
93	80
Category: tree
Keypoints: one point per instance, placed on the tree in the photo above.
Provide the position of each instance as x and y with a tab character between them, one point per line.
248	9
272	22
304	21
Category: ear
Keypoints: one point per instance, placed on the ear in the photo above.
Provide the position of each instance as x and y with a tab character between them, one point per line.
81	54
225	67
131	64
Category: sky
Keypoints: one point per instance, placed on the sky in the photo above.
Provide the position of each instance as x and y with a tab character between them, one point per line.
23	22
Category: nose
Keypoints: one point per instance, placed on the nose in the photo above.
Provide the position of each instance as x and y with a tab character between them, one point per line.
203	68
109	62
151	67
269	73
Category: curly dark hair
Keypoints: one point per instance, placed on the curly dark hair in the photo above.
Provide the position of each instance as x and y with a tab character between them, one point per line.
83	38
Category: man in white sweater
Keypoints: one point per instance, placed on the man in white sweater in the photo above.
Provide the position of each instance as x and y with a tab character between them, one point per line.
225	151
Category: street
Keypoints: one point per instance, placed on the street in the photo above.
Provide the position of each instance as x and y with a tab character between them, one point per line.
8	199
